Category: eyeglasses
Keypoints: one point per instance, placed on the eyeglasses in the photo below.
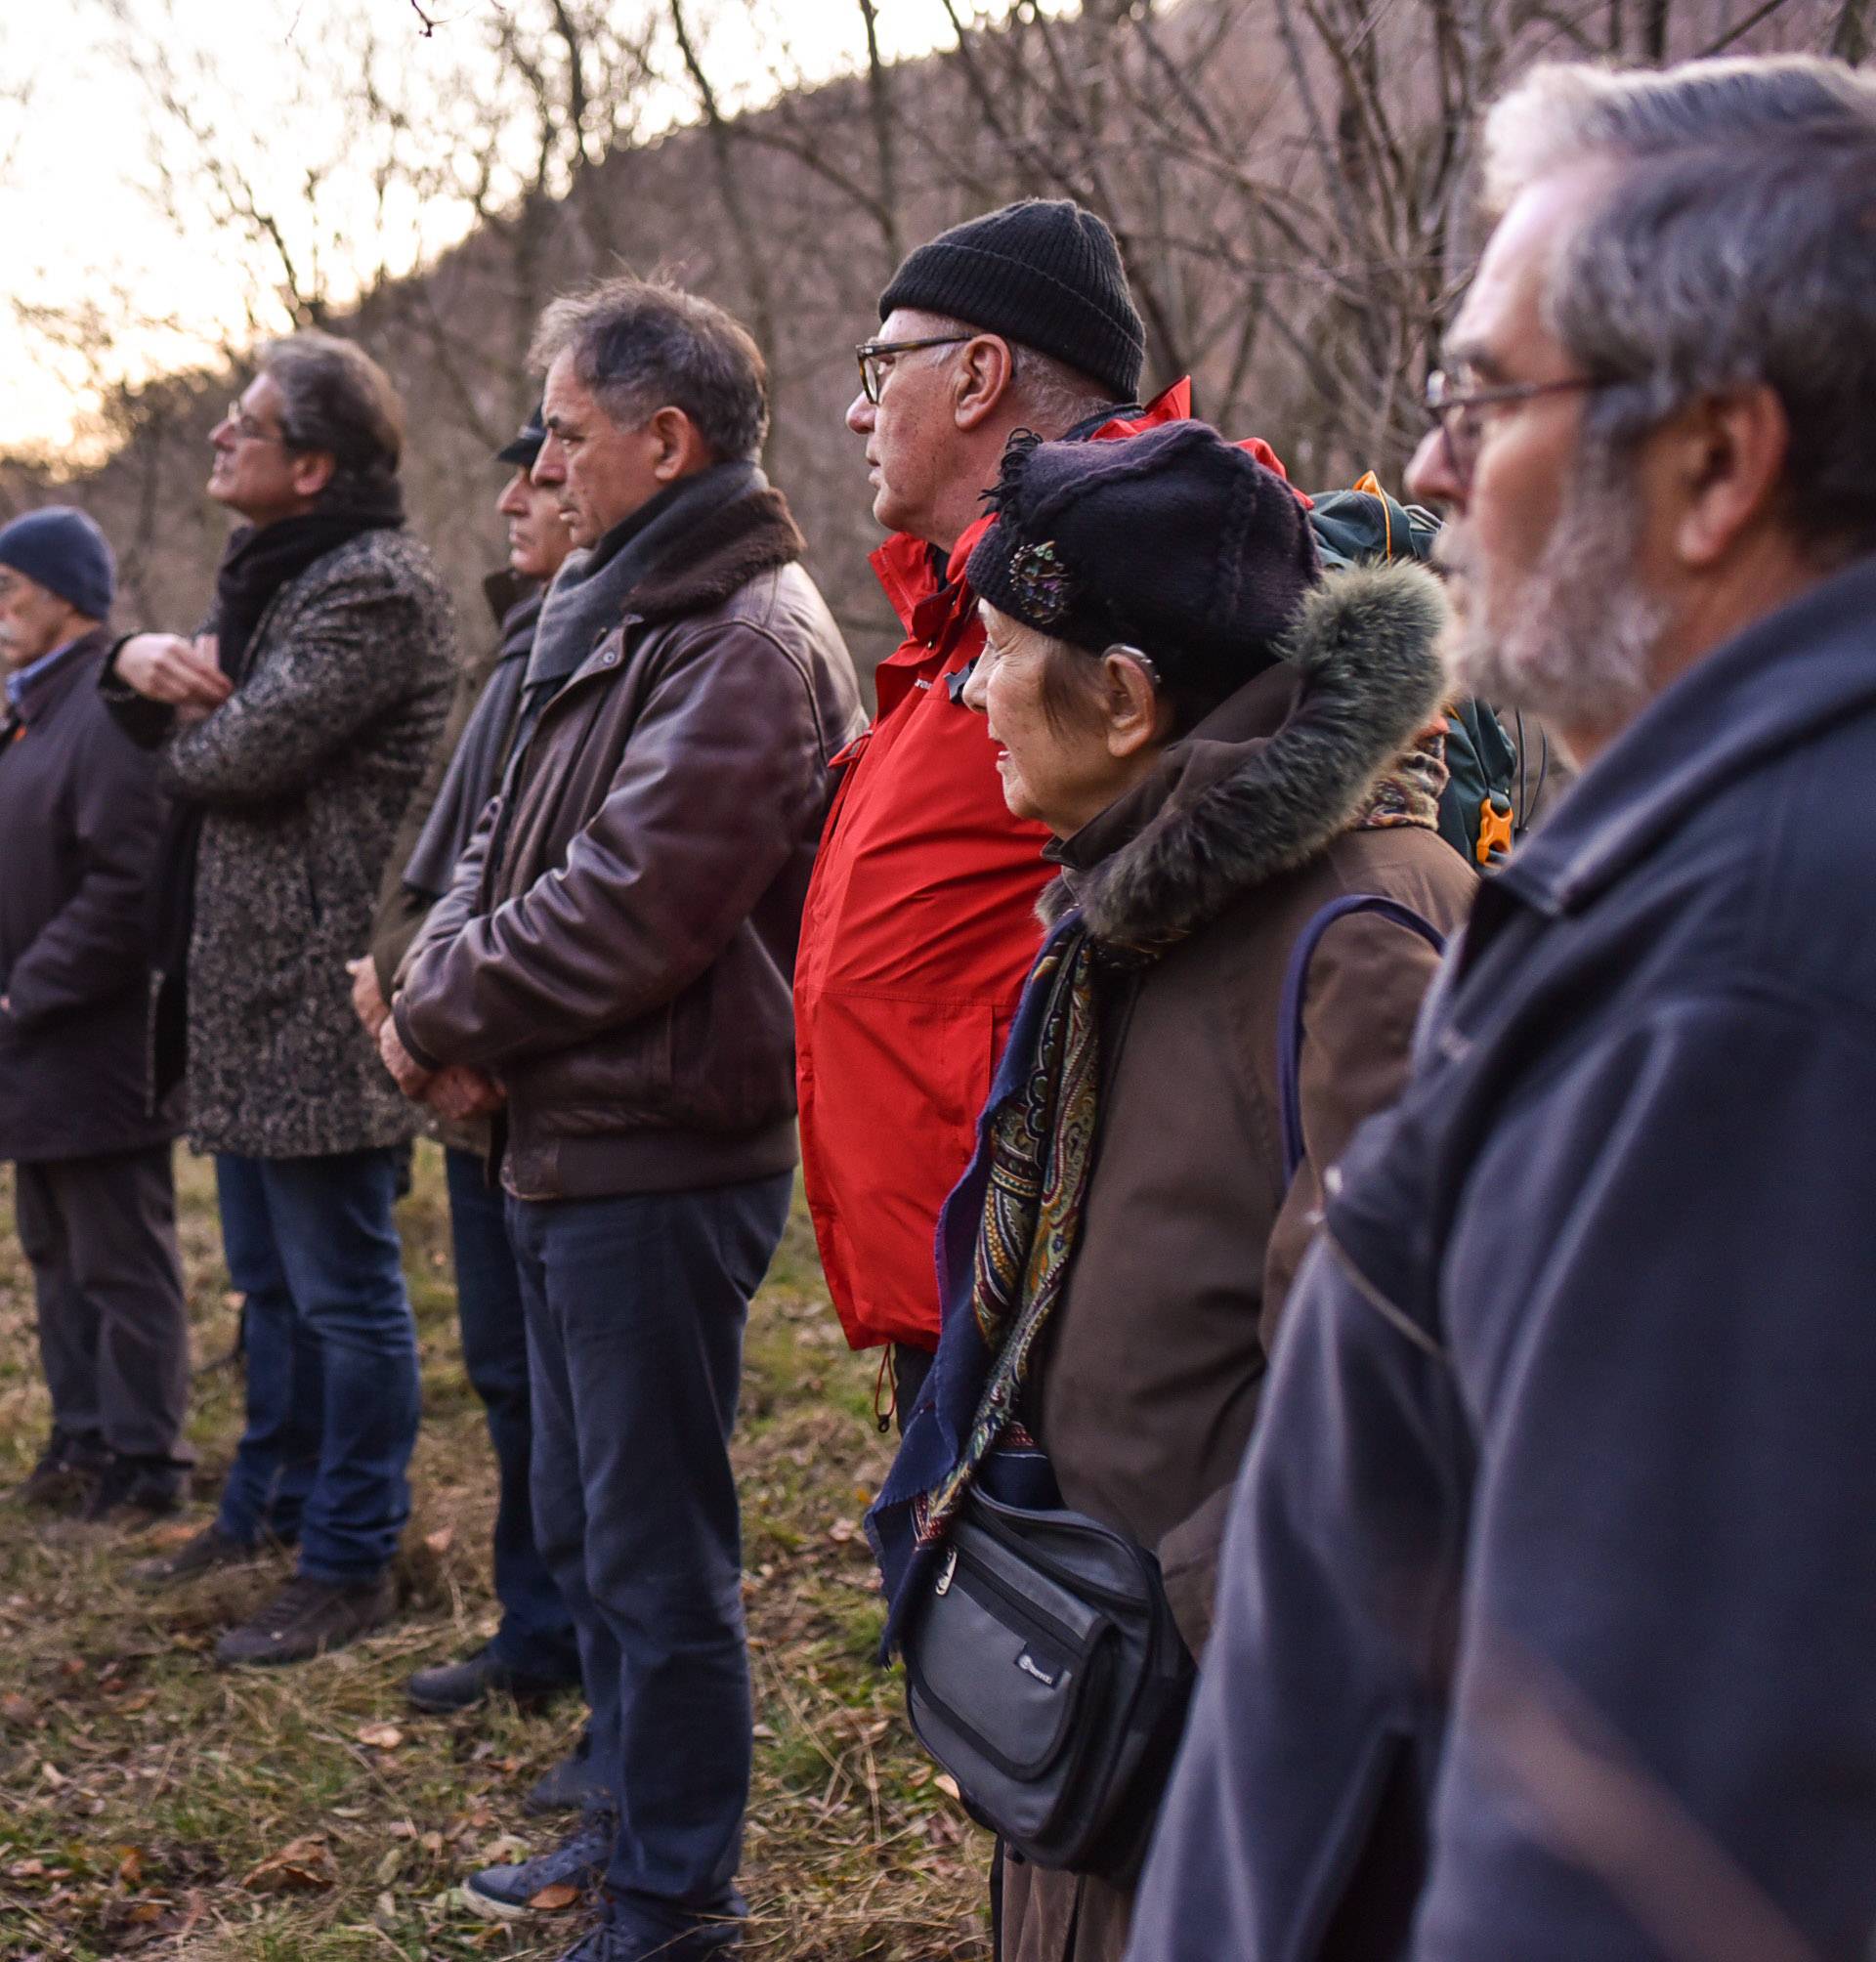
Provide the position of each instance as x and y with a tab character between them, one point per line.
872	355
1457	409
248	430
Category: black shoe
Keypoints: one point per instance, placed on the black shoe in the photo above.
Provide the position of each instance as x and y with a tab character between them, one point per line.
209	1549
133	1492
569	1785
459	1686
65	1476
614	1941
503	1893
304	1619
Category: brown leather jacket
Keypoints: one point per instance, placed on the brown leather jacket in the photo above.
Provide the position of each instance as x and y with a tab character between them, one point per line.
619	946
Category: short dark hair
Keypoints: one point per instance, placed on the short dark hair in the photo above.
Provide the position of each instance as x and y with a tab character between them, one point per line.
642	345
336	398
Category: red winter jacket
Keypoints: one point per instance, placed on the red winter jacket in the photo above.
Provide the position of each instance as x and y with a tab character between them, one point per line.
918	931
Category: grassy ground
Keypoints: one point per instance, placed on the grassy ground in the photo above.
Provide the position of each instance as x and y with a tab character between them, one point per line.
151	1804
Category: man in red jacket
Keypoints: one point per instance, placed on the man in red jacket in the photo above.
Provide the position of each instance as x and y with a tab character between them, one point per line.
919	924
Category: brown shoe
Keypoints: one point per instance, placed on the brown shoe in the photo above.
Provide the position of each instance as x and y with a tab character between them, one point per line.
207	1550
304	1619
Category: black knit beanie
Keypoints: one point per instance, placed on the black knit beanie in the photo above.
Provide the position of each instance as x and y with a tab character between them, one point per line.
1043	272
1174	541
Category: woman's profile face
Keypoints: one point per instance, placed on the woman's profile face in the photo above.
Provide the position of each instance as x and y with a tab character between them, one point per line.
1060	771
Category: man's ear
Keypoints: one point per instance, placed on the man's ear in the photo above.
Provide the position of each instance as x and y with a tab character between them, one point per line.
1136	717
1731	452
982	378
313	470
678	448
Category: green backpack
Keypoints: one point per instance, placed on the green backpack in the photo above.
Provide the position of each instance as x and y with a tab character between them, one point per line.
1361	527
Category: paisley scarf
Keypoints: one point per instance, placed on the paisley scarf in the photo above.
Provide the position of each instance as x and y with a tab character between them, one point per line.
1005	1239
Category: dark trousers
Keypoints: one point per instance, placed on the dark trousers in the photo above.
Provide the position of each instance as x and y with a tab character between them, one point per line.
99	1235
536	1633
331	1358
635	1314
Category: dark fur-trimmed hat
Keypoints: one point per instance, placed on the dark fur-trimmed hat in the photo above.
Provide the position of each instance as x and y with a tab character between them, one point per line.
1174	541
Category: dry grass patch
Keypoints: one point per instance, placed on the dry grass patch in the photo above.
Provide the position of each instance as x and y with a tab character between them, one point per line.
152	1805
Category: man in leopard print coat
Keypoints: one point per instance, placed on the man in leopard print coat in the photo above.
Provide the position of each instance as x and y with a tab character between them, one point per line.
291	734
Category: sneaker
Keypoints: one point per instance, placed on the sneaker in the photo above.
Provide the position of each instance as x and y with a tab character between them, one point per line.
569	1786
459	1686
304	1619
616	1941
505	1893
209	1549
65	1476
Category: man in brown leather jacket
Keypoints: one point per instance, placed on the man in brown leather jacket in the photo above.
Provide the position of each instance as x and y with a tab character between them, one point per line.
617	952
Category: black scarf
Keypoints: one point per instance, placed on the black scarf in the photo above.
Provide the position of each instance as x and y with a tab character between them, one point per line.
261	559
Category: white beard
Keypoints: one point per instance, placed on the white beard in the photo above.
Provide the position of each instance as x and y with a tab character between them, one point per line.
1579	649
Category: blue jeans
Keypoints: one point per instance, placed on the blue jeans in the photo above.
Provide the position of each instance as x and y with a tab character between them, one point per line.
331	1358
635	1313
536	1638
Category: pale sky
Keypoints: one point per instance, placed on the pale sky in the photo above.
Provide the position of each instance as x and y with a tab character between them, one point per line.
83	143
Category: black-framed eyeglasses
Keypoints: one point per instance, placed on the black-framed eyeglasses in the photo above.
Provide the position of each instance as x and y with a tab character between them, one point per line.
1457	408
248	430
871	356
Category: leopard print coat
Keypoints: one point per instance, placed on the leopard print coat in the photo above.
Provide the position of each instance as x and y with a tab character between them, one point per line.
304	774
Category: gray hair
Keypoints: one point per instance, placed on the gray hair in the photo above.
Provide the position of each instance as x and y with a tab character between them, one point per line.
642	345
1053	396
336	398
1744	254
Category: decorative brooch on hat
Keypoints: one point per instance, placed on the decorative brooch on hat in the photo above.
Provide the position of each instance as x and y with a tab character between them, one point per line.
1041	582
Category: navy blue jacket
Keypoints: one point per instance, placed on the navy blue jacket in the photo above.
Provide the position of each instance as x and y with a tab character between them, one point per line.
1546	1627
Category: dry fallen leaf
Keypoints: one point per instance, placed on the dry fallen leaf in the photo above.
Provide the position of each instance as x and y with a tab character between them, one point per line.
380	1737
145	1913
302	1864
130	1869
441	1539
947	1784
17	1709
841	1531
551	1899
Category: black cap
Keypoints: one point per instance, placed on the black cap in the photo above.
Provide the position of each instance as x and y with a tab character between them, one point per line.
1174	541
527	445
1043	272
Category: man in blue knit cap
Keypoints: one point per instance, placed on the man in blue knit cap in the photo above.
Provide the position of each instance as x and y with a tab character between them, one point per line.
79	812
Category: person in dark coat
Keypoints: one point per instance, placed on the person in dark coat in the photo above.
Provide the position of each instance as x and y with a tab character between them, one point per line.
1547	1609
615	950
533	1653
292	734
93	1181
1223	743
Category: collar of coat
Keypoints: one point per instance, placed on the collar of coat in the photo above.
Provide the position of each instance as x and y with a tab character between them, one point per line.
722	552
1274	775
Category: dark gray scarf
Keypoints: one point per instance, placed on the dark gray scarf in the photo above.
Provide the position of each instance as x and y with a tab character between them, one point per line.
474	774
591	592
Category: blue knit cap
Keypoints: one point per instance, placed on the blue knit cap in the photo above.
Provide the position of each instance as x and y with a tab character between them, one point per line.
60	549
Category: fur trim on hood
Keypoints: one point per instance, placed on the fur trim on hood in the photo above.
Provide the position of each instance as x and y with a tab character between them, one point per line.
1227	817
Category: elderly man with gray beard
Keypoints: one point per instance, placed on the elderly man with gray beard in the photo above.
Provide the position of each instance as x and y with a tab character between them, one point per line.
1546	1622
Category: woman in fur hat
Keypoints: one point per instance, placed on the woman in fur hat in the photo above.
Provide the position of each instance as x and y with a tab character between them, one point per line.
1223	743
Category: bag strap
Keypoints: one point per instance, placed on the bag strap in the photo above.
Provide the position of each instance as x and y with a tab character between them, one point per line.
1289	1012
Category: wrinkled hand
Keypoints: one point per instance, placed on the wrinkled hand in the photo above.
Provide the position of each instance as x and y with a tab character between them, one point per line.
411	1077
166	668
368	997
460	1093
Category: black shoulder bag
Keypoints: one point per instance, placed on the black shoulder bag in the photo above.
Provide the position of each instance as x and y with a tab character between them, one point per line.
1045	1674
